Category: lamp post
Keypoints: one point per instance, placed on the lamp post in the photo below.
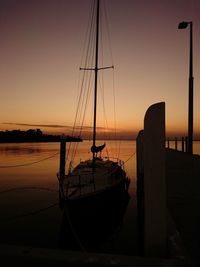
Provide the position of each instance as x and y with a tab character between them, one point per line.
184	25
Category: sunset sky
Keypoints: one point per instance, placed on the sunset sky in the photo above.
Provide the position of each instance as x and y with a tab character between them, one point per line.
41	50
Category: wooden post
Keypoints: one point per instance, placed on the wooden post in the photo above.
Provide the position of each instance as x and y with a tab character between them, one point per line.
62	158
176	143
155	230
182	144
62	170
167	142
186	144
140	189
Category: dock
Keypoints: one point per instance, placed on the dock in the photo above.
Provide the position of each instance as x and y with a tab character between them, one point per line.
168	183
183	185
39	257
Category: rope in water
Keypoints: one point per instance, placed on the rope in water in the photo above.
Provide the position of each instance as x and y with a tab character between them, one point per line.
27	188
35	212
30	163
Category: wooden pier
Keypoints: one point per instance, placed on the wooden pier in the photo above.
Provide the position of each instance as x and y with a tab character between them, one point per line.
168	193
40	257
183	185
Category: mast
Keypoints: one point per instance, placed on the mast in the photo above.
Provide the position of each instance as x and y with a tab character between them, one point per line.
95	81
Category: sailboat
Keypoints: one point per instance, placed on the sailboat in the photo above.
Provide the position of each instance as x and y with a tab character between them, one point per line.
98	186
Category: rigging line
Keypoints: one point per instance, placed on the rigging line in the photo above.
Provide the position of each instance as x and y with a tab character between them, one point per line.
101	84
79	104
111	55
73	230
88	75
108	31
114	108
101	81
84	112
83	118
102	87
84	73
86	86
130	157
27	188
82	91
24	215
90	43
30	163
88	31
102	75
113	80
77	114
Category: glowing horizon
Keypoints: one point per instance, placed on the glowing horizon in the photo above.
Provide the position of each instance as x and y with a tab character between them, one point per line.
41	54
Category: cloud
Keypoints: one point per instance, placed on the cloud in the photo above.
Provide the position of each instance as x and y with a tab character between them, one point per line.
37	125
85	127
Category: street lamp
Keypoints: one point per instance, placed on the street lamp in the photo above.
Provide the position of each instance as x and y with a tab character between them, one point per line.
184	25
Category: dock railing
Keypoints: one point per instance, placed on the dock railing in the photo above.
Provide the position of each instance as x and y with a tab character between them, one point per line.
178	143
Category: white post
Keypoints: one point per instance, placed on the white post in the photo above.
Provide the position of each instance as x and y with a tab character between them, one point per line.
155	230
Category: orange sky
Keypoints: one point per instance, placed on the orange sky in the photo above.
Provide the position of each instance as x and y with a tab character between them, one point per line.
41	50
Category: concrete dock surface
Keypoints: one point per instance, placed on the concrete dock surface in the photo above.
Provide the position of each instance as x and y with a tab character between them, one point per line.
40	257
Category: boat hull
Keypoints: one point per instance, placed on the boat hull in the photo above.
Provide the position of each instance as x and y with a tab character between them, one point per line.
92	220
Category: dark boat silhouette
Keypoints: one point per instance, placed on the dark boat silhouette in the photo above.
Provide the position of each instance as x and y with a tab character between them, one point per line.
94	232
95	191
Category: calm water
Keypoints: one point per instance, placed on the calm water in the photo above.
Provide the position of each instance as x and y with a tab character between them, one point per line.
30	214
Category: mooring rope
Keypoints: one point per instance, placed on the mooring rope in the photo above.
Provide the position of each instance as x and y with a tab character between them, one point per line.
130	157
73	230
30	163
27	188
35	212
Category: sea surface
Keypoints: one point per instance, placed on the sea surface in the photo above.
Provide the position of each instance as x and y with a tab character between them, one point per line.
29	202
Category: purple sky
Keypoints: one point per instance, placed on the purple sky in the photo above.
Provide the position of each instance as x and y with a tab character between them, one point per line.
41	49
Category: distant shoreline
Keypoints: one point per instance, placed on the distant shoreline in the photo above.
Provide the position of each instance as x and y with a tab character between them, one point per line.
38	141
36	136
33	136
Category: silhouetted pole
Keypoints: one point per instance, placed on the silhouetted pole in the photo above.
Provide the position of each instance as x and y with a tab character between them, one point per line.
186	144
184	25
62	170
182	144
176	143
168	142
62	158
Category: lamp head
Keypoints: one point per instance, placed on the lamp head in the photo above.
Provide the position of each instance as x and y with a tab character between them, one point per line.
183	25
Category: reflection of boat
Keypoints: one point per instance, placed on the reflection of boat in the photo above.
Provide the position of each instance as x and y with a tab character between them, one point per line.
94	233
95	187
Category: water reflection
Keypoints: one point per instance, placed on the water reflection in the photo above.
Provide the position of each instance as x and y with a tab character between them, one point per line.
34	187
19	149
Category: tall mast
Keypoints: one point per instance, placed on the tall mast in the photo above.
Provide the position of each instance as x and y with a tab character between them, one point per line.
95	81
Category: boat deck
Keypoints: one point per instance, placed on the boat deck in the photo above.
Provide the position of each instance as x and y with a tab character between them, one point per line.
84	180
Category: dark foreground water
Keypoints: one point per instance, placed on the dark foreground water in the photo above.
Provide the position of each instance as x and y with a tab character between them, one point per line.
30	214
